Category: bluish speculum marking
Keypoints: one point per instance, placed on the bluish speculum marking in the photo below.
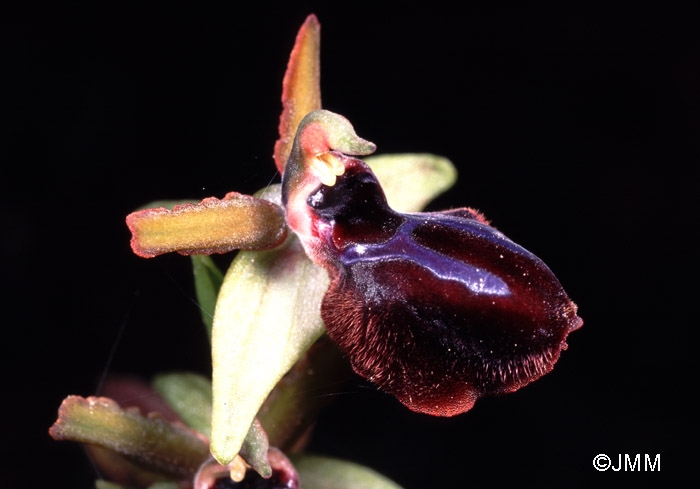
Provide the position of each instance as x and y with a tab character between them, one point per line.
402	247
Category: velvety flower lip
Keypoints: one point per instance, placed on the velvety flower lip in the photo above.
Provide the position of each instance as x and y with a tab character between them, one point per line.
436	308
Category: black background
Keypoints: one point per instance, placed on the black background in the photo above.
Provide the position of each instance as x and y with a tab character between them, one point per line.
575	132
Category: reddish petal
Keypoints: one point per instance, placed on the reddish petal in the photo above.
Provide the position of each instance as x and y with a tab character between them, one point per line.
301	87
213	226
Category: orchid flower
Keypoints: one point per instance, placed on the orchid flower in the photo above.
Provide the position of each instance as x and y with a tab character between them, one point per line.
436	308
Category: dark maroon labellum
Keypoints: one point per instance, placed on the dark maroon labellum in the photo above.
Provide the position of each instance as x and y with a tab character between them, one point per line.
437	308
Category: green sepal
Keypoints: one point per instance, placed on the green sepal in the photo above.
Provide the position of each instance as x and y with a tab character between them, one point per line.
189	395
266	317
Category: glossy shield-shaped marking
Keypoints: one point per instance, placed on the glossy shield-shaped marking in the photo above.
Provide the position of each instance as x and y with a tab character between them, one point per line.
436	308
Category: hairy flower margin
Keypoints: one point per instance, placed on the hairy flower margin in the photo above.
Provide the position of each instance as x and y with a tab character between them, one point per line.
269	350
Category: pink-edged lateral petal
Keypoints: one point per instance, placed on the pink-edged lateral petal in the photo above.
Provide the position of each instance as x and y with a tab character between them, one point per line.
214	225
301	87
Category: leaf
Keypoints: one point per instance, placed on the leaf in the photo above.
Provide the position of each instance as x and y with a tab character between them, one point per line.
207	282
411	180
301	87
316	472
189	395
